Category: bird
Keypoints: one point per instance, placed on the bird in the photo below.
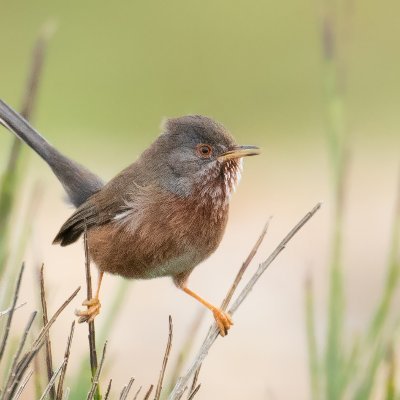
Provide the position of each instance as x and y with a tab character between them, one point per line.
162	215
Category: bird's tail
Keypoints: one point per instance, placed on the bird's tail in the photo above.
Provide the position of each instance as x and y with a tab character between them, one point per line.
78	182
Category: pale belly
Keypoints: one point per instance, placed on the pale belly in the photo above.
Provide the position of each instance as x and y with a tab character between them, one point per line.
172	267
131	256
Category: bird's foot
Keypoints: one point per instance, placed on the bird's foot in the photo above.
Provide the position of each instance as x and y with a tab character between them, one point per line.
93	309
223	320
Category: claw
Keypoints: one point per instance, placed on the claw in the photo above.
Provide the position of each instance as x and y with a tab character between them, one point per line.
90	314
223	320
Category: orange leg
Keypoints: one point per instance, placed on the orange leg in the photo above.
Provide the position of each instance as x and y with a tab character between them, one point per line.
222	318
93	305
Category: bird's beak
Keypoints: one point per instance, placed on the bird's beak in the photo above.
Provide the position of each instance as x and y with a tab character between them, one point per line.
239	152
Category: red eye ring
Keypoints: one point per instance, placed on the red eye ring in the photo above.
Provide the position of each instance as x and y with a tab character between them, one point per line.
204	150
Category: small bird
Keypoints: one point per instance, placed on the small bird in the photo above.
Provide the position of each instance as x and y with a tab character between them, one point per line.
162	215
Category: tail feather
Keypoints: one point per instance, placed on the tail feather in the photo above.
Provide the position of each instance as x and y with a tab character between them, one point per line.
78	181
83	218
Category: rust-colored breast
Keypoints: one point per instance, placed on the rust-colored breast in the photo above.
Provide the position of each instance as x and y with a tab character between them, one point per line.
161	234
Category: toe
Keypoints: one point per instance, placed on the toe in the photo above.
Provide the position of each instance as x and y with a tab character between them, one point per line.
222	330
93	316
92	302
88	315
223	320
82	319
229	318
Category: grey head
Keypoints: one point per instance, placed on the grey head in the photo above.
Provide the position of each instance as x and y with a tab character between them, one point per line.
195	153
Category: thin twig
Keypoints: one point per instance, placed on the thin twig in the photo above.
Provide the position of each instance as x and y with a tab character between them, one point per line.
108	390
165	361
191	397
52	380
263	266
181	394
13	368
23	385
147	395
49	358
89	294
95	382
126	390
213	332
194	383
36	346
5	312
46	328
11	314
122	392
137	393
186	348
66	357
244	267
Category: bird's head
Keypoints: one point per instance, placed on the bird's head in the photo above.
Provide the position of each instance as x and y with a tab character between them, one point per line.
196	155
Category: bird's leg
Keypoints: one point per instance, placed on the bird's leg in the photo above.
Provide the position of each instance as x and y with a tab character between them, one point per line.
93	305
222	318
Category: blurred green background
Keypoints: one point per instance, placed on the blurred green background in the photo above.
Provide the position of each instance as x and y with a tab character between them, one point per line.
114	70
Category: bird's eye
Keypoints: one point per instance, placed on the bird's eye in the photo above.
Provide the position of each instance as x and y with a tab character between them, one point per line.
204	150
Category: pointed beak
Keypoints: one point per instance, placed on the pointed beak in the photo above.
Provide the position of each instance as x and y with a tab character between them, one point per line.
239	152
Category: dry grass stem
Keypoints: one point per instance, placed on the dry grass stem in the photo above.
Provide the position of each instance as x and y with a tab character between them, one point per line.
135	397
52	380
191	397
59	395
213	332
165	361
244	267
194	382
89	294
23	385
46	328
14	364
95	382
49	358
264	265
186	347
5	312
11	313
25	361
108	390
147	395
183	392
126	390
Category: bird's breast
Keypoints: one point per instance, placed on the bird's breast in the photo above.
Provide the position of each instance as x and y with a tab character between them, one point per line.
160	234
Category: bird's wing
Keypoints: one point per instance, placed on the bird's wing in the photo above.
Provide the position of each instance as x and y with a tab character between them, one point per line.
107	205
83	218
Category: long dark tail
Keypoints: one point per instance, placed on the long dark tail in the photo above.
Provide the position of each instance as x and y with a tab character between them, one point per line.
78	182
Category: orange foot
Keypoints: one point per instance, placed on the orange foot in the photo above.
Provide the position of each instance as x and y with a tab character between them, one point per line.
223	320
93	309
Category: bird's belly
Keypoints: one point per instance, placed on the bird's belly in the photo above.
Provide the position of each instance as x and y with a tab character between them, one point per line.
171	267
132	257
